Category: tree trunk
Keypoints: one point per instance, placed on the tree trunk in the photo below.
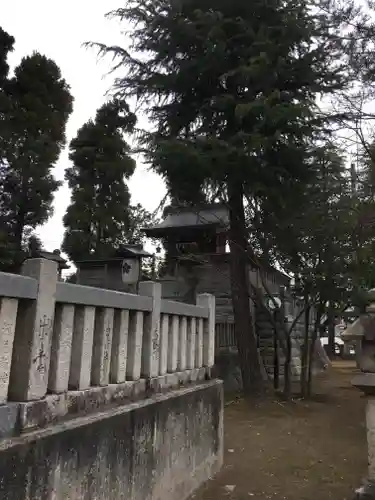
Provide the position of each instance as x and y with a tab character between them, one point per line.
18	231
287	368
17	241
250	362
276	360
312	350
20	220
305	349
331	331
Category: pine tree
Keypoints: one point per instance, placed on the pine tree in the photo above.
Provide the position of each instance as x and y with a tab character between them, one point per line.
35	106
230	89
101	163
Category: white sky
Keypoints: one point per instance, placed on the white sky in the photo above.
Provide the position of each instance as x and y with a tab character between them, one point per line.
57	30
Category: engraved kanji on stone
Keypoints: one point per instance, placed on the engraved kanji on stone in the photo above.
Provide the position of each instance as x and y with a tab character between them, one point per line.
45	326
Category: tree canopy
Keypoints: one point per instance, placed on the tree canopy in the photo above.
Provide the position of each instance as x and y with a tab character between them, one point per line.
100	217
35	105
231	89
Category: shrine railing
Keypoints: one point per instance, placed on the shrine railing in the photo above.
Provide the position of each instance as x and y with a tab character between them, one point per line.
59	339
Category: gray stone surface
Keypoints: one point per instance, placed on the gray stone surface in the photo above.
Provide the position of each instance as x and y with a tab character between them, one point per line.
162	448
172	380
34	414
182	309
58	407
182	345
99	297
19	287
204	373
134	361
151	330
173	345
8	419
191	339
365	382
8	317
165	324
33	337
208	301
102	349
183	377
81	359
119	346
194	374
61	348
199	344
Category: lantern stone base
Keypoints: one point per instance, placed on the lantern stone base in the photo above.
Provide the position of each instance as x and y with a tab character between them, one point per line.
366	383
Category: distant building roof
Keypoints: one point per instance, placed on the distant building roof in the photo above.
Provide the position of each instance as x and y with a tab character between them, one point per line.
191	217
55	256
121	253
136	250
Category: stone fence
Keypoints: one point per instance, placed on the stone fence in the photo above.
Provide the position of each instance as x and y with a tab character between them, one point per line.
104	394
59	339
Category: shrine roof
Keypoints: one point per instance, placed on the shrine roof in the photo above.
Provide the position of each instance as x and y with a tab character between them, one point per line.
55	256
121	253
191	217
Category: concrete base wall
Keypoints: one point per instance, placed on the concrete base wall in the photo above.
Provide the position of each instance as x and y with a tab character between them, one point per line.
161	448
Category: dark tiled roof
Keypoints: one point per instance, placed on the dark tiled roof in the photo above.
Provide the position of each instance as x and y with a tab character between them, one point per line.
56	257
119	254
183	217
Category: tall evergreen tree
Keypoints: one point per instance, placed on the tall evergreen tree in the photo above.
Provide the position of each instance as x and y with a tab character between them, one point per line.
101	163
6	46
230	89
139	218
35	105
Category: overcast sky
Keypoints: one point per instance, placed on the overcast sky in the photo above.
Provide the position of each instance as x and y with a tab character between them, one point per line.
57	30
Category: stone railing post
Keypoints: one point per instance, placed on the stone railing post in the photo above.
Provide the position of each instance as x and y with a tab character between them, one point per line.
207	300
33	337
151	332
8	319
366	383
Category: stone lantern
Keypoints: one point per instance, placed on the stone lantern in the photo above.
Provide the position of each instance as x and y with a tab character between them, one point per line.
362	331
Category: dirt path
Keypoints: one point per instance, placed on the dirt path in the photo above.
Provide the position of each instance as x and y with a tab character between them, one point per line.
304	451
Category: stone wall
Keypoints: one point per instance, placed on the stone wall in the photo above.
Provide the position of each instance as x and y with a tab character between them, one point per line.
213	276
227	363
160	448
104	394
271	352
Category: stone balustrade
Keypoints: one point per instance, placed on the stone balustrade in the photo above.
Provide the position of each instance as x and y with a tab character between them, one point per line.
60	342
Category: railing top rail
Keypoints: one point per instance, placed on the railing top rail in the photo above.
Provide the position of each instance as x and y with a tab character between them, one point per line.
17	286
182	309
99	297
